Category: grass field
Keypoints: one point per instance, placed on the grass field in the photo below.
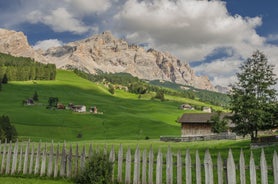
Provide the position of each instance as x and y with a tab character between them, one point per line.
18	180
124	115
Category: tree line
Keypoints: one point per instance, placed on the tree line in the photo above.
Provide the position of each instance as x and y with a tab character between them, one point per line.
22	69
139	86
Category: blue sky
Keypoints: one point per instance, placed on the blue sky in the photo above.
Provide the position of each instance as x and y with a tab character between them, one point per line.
214	37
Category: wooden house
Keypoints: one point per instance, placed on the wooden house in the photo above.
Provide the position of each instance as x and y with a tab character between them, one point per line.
78	108
197	124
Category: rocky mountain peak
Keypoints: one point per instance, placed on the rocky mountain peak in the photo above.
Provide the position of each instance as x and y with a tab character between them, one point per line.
104	52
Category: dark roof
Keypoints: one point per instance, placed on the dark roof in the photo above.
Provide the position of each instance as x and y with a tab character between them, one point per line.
199	117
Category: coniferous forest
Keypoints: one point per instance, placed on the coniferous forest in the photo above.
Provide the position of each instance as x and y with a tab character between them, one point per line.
22	68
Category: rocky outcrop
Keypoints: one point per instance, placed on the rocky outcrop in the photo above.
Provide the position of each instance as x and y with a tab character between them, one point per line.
16	44
106	53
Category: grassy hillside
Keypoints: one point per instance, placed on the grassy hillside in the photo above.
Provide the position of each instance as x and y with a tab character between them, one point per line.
124	115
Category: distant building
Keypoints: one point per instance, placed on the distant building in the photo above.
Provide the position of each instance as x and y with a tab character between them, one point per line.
186	107
93	109
207	109
78	108
197	124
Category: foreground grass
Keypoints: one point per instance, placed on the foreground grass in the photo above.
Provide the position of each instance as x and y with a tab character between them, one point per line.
18	180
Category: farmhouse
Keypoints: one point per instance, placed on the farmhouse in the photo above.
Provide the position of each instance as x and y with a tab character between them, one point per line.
197	124
78	108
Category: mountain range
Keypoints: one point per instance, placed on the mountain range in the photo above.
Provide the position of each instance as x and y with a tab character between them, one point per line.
106	53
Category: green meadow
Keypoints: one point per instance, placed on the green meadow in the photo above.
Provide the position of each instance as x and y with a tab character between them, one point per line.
122	115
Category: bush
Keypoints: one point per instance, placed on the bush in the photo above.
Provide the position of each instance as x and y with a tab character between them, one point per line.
97	171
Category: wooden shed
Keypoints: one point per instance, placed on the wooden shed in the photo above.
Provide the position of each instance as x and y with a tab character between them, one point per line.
197	124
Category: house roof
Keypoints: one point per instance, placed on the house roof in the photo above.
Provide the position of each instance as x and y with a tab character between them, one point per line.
199	117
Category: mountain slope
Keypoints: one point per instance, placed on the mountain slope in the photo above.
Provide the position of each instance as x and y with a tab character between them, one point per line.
106	53
124	115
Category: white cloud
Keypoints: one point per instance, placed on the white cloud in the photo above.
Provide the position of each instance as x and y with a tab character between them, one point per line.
191	29
45	44
221	72
68	15
88	7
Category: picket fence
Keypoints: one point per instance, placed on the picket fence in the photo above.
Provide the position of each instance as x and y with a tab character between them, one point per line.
141	167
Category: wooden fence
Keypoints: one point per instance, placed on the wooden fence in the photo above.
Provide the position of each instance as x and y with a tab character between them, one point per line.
139	167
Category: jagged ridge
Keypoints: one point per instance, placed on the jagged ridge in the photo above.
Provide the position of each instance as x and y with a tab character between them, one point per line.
106	53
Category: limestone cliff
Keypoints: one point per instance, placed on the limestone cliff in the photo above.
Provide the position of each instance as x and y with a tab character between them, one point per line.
16	44
106	53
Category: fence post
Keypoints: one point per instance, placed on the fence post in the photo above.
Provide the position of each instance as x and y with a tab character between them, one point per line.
253	179
19	169
231	169
220	168
169	166
242	168
56	162
159	163
275	167
76	165
43	164
90	151
50	161
37	164
4	157
9	156
179	168
263	166
150	172
112	159
198	169
31	160
15	153
83	158
120	164
26	155
208	168
136	175
188	167
69	162
144	167
128	167
63	161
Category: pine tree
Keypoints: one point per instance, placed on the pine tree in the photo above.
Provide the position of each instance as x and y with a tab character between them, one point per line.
36	96
253	97
5	79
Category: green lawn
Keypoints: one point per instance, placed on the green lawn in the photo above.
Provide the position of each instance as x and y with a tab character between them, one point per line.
124	115
18	180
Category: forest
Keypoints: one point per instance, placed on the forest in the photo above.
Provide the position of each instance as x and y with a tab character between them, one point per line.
21	69
139	86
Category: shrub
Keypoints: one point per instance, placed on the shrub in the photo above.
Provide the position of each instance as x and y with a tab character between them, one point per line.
97	171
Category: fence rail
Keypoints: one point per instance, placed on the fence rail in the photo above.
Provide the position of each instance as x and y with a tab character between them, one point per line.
142	167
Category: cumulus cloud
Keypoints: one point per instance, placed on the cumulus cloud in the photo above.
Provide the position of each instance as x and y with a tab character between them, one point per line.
221	72
196	27
45	44
68	15
190	29
193	30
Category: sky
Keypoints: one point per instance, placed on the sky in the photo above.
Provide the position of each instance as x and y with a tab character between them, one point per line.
214	36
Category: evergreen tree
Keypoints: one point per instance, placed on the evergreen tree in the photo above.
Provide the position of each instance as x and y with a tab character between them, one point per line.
253	97
36	96
219	124
5	79
7	131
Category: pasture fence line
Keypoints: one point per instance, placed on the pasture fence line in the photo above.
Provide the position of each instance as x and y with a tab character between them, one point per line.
140	167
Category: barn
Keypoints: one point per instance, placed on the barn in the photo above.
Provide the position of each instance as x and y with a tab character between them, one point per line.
197	124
